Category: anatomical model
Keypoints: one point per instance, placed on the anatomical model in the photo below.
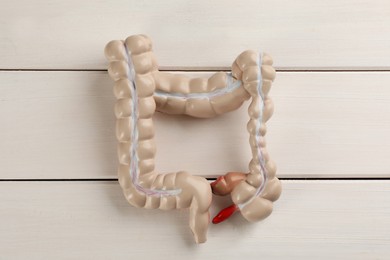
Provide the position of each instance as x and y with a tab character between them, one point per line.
141	90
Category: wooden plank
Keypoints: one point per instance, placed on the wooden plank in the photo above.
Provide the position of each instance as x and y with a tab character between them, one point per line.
92	220
61	125
45	34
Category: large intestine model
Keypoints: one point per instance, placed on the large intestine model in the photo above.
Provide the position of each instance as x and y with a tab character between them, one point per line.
141	89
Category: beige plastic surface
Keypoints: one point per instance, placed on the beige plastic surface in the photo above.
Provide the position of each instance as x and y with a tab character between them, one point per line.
195	192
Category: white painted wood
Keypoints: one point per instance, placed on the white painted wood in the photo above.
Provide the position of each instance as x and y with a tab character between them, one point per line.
318	34
92	220
61	125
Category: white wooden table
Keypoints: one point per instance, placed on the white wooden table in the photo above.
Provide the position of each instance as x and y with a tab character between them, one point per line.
59	196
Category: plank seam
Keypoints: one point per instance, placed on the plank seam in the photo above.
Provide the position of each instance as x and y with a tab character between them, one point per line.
203	70
209	179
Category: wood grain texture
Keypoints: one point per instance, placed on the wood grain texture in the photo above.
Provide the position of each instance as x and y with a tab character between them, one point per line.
92	220
60	125
300	34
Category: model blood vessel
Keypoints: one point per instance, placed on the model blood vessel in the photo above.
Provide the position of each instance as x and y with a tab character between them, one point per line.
141	90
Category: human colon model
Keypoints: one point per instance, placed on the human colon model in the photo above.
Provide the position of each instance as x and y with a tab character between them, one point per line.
141	90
